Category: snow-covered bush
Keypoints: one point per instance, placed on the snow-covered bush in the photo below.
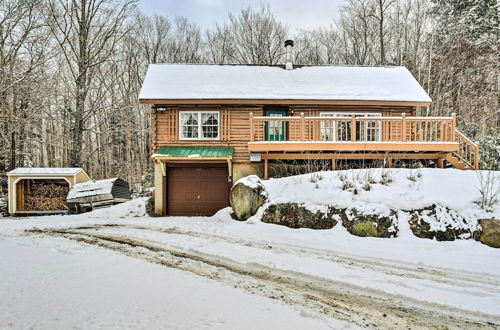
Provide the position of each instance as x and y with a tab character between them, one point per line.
489	188
347	180
143	188
414	175
386	177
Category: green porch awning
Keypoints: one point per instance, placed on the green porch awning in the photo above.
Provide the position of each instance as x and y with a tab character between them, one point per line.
194	152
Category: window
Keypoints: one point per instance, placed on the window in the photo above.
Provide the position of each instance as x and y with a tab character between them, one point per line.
202	125
341	130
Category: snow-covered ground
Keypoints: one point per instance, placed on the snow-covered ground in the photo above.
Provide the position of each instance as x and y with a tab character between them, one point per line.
406	189
118	268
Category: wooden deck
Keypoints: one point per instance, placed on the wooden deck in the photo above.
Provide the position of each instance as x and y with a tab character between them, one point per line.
337	137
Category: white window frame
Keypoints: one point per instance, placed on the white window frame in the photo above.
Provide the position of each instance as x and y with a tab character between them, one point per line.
349	115
200	126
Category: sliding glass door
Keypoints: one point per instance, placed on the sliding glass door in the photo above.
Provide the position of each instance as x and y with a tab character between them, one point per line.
340	130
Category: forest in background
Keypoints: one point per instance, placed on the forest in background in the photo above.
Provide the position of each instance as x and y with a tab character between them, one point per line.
71	70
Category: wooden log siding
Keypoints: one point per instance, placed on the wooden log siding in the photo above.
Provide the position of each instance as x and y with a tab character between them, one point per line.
234	126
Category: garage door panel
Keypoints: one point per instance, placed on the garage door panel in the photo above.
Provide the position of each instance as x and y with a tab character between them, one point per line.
197	190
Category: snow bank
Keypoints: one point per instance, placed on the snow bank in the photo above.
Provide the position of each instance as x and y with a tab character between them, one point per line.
382	190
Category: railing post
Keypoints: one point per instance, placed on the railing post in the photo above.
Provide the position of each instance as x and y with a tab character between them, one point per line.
353	128
403	127
251	127
453	127
302	127
476	157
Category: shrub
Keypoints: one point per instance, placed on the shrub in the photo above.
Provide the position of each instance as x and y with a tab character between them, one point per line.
150	207
386	177
414	175
489	188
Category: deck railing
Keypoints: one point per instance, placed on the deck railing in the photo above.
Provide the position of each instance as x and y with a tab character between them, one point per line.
468	151
353	129
365	129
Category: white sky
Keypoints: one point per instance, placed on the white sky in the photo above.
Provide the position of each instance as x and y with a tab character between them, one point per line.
297	14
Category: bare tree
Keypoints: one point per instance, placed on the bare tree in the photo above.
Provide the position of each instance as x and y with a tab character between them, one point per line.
252	37
87	32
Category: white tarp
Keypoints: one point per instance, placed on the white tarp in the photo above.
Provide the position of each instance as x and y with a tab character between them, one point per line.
91	188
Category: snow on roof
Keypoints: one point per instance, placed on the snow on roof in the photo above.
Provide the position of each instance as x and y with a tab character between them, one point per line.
43	171
357	83
91	188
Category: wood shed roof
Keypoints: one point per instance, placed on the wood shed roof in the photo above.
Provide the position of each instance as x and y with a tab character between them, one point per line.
45	171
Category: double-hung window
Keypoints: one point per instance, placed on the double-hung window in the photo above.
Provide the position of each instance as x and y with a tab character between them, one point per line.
199	125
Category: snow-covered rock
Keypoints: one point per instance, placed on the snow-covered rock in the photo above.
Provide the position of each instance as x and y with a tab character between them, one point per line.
370	225
443	224
437	204
247	196
294	215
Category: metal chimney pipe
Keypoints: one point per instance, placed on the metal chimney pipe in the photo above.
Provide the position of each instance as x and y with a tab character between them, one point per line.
289	58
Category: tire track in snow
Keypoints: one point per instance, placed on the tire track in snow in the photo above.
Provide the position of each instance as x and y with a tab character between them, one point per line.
361	306
439	275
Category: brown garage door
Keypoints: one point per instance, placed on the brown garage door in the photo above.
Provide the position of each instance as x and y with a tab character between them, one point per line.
197	190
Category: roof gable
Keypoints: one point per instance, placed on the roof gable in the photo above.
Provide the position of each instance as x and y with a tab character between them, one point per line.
244	82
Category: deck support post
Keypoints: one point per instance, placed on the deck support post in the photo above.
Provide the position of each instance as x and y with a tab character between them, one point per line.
251	127
440	162
265	168
389	162
334	164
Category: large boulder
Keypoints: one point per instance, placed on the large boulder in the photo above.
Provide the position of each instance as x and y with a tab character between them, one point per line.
443	224
247	196
295	215
370	225
491	232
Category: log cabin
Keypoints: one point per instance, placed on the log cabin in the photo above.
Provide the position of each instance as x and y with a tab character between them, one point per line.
213	124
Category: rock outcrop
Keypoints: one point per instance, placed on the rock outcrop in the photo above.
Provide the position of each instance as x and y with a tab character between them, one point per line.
295	215
441	223
490	234
247	196
370	225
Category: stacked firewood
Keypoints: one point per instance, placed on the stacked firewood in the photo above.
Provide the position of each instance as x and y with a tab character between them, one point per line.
45	197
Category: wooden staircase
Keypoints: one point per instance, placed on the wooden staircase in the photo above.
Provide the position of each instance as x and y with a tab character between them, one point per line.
467	156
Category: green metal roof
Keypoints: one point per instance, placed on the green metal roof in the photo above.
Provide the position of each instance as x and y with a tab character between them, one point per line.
194	151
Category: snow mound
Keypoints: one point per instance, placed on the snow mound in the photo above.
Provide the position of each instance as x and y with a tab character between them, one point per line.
380	191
